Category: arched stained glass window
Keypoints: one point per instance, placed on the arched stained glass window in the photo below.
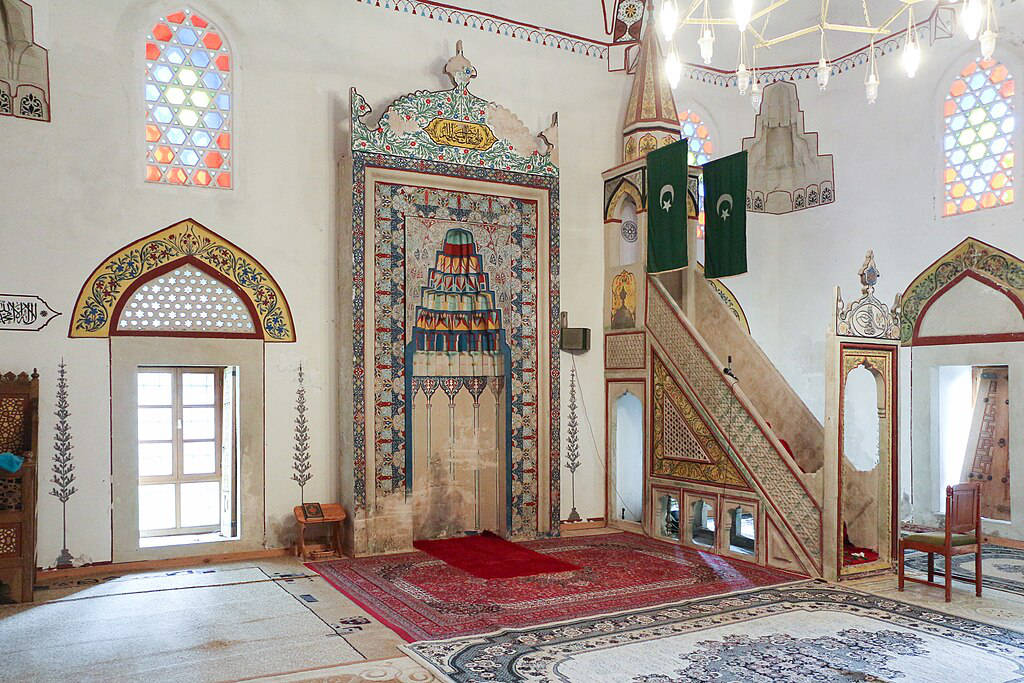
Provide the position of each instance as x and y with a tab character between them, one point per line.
978	139
700	148
188	102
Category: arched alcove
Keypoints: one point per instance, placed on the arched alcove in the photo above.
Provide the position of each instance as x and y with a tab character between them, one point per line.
629	460
972	293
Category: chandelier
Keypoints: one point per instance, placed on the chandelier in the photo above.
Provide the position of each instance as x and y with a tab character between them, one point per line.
976	17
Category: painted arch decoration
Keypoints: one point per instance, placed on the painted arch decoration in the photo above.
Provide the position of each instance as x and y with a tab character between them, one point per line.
971	258
456	127
186	244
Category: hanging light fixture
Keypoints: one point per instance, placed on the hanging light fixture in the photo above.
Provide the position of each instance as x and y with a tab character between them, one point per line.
912	48
988	36
741	10
673	67
756	95
871	79
823	71
742	75
971	16
706	42
668	19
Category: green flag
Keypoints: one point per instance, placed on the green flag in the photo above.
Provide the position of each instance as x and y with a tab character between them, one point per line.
666	208
725	216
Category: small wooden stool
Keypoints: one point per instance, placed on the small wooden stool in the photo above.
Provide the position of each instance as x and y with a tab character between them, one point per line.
333	514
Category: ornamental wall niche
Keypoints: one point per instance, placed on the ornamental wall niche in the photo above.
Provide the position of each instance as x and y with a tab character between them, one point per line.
193	256
785	173
972	258
24	65
455	309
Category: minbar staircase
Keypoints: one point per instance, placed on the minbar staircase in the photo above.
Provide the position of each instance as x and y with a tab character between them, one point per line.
752	413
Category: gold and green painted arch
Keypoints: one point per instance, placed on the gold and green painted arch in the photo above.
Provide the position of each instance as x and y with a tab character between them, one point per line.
187	241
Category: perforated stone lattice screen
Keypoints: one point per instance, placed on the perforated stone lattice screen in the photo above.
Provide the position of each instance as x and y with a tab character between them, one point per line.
185	300
679	440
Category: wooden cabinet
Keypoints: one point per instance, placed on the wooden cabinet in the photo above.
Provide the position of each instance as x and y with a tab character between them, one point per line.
19	434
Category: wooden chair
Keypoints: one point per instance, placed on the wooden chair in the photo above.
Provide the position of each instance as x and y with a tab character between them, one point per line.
962	536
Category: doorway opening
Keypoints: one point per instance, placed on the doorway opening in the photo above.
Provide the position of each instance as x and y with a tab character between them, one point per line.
974	434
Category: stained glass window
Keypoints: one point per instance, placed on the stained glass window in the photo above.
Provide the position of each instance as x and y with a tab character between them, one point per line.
978	141
188	102
700	147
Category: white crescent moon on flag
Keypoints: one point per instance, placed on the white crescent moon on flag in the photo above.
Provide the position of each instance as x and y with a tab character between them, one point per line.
718	207
671	192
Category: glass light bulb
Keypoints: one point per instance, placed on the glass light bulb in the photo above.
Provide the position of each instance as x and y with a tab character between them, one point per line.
741	10
755	96
824	71
673	68
911	57
668	18
971	16
871	88
707	44
988	43
742	78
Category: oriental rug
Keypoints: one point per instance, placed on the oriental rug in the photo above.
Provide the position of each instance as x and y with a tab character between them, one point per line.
1001	568
487	556
809	632
421	597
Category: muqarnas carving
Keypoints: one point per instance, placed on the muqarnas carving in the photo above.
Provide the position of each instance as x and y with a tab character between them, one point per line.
785	173
24	66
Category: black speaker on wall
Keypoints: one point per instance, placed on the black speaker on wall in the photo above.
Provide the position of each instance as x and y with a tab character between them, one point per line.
573	339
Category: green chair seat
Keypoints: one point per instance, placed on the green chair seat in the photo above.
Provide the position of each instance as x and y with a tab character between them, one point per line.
938	538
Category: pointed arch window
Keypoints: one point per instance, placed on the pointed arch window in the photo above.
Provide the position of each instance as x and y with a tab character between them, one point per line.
978	139
699	149
188	103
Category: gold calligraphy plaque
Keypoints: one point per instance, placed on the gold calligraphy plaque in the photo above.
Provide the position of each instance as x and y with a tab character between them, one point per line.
461	134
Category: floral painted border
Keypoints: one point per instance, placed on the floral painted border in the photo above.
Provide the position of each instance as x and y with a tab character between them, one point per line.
971	255
361	411
188	239
402	132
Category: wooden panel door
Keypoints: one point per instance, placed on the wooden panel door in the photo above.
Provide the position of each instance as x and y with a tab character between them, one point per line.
987	459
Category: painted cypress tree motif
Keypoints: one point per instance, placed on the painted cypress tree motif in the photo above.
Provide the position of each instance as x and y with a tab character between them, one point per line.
63	460
300	454
572	444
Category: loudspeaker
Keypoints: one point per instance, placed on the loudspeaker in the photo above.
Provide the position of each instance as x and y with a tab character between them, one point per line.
574	339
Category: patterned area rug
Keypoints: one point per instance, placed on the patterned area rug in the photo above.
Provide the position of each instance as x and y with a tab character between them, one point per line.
805	633
421	597
1001	568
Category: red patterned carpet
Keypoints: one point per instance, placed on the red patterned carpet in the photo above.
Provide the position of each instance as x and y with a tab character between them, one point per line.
421	597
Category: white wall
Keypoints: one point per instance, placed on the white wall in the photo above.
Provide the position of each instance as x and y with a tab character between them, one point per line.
72	193
888	165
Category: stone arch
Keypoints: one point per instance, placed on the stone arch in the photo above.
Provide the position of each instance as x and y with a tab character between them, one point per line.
119	275
625	189
974	259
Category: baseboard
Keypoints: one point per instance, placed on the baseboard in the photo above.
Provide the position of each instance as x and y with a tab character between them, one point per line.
43	576
576	526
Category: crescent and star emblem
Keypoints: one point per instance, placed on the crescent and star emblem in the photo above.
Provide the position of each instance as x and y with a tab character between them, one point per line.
666	204
724	211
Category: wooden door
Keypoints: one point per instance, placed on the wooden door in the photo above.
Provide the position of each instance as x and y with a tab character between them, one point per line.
987	459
